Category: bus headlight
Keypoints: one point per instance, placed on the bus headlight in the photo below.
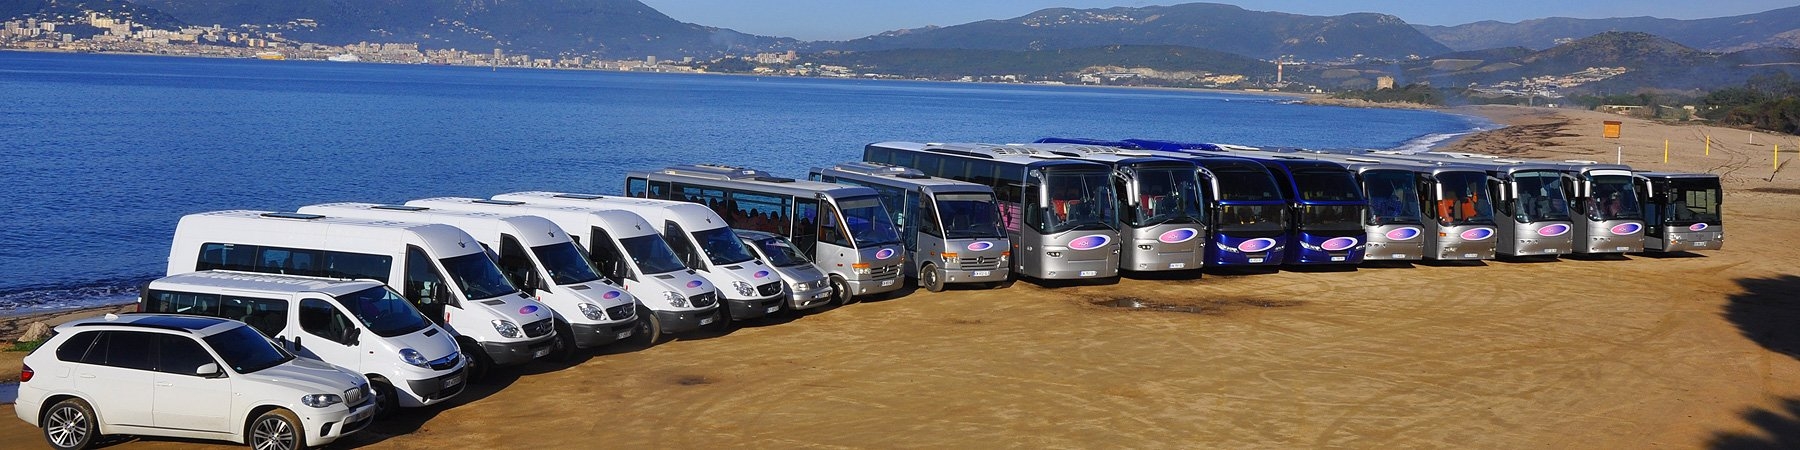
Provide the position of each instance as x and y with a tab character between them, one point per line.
675	299
859	268
743	288
592	311
506	328
1227	248
951	261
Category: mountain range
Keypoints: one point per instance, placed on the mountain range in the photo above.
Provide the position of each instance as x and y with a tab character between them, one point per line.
1651	61
1774	28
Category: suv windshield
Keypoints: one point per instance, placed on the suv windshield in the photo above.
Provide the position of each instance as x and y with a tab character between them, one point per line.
651	254
779	251
1541	197
968	216
1393	197
1166	194
383	312
1079	201
868	222
1465	199
1614	198
565	263
722	247
477	276
245	350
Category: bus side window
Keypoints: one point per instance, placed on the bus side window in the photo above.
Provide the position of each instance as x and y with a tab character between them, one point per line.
636	187
227	256
516	264
659	190
425	285
829	230
806	219
927	222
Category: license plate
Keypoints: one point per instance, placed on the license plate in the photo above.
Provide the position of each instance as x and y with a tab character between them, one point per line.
624	334
773	309
1090	273
1177	265
1700	243
1469	255
1624	248
1337	258
983	273
452	381
706	321
541	353
887	282
1255	260
1399	256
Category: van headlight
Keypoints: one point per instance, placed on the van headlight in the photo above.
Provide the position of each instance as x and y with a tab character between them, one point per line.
414	357
320	400
675	299
743	288
506	328
592	311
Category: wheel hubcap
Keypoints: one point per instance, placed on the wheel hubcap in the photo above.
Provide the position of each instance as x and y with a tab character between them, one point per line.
68	426
273	434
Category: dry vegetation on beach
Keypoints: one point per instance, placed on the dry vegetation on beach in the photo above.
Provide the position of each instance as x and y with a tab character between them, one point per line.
1629	352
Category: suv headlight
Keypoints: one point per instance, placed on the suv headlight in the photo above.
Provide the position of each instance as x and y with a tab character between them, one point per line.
413	357
743	288
321	400
592	311
506	328
675	299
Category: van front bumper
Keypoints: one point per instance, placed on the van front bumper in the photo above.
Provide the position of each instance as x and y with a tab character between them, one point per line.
520	352
590	335
683	321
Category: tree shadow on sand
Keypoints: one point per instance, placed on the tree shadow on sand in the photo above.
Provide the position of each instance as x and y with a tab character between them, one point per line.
1767	313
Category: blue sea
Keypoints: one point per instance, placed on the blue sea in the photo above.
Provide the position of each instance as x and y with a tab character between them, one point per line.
100	155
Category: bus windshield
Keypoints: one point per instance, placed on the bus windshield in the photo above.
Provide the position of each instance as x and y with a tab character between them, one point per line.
1393	197
1465	199
565	263
1327	186
1331	217
477	276
651	254
383	311
780	252
1166	195
868	222
1246	185
1541	197
721	246
969	216
1079	201
1252	218
1692	201
1614	198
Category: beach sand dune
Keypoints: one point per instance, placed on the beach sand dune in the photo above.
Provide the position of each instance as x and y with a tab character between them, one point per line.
1630	352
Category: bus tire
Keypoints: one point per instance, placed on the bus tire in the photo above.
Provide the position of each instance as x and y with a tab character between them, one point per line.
840	291
563	348
930	279
479	364
648	330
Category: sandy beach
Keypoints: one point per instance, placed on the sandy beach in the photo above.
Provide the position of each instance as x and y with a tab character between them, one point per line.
1684	351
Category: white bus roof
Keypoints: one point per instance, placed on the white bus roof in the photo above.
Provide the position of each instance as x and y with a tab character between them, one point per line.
246	282
617	222
691	216
312	231
531	231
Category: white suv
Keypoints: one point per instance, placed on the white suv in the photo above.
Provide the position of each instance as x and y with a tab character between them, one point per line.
188	377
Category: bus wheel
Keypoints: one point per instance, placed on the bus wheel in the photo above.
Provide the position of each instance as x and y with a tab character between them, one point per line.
648	330
478	361
563	347
929	278
840	291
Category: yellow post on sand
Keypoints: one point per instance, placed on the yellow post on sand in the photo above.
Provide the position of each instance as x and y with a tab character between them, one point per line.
1709	145
1665	151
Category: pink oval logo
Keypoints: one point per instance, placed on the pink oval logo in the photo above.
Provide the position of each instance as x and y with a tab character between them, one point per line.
980	245
1178	236
1553	230
527	310
884	253
1256	245
694	284
1090	242
1403	233
1477	234
760	274
1697	227
1338	244
1627	229
609	295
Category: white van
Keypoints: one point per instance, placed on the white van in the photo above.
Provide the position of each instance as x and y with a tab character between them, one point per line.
702	240
361	325
439	268
538	258
627	250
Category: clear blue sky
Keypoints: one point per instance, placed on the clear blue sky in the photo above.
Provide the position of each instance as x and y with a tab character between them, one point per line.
849	19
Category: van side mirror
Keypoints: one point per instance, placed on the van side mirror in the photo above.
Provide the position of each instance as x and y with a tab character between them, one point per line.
209	370
350	335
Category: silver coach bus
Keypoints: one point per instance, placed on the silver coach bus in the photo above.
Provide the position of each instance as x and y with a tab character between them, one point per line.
1608	216
1443	210
1058	212
951	229
1681	211
845	229
1531	198
1162	221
